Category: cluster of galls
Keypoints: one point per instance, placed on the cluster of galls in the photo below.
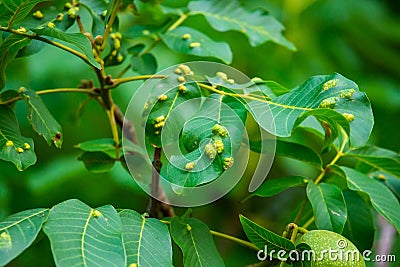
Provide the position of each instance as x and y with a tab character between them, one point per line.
38	14
116	38
330	102
192	45
10	143
183	71
71	10
158	124
224	77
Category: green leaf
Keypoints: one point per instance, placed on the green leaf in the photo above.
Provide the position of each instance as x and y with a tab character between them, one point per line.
377	158
359	227
258	26
97	162
106	145
18	231
194	239
291	150
381	197
203	46
96	9
13	146
145	64
19	10
305	262
392	182
77	39
262	237
41	119
82	236
200	140
275	186
270	89
147	241
8	50
325	97
8	95
329	207
163	108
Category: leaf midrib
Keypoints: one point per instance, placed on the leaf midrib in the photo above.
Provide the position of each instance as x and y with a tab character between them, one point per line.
23	219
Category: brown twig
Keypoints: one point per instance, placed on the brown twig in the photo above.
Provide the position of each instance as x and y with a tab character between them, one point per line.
155	184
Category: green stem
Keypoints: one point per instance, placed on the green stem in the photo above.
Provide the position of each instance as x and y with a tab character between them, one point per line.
39	38
178	22
335	159
235	239
303	206
118	81
308	223
52	91
228	237
117	3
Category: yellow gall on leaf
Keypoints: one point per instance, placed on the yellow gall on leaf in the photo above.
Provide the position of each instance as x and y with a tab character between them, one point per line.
117	43
328	103
189	166
347	93
51	25
146	32
222	75
157	132
210	150
118	35
381	177
159	125
178	71
219	146
349	117
96	214
21	90
162	97
305	181
71	13
5	240
104	13
27	146
21	29
60	17
188	227
68	5
194	44
120	58
181	79
160	118
38	14
329	84
228	162
186	36
182	88
9	143
114	53
185	68
231	81
220	130
19	150
133	265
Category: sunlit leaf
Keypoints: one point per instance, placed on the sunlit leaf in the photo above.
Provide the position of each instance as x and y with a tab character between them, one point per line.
257	25
147	240
18	231
190	41
13	146
82	236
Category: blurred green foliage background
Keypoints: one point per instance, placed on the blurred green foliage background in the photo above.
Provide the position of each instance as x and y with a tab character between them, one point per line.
359	39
